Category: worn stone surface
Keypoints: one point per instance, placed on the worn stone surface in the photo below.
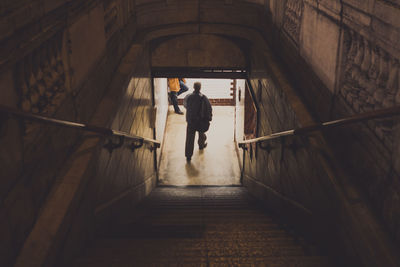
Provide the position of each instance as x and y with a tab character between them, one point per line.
342	58
301	175
354	70
198	51
292	19
211	226
40	81
121	178
319	45
87	41
161	106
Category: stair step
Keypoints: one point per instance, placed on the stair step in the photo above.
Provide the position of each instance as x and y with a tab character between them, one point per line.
200	227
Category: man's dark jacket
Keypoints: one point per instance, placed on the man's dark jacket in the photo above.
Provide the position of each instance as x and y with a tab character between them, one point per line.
198	107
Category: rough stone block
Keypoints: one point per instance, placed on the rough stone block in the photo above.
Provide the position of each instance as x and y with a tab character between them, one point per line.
8	248
37	9
20	17
87	43
387	13
319	41
353	16
5	28
365	6
391	35
332	6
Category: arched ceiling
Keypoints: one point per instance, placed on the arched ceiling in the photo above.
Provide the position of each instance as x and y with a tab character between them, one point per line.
154	13
206	33
198	50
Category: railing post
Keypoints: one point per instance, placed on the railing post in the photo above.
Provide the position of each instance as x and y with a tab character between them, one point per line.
136	144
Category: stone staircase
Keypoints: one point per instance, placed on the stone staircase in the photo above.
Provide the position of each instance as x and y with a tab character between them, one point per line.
200	226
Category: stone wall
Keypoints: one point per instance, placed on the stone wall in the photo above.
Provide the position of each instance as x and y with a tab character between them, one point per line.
161	104
57	58
198	50
300	179
96	185
122	172
121	178
55	61
343	57
289	167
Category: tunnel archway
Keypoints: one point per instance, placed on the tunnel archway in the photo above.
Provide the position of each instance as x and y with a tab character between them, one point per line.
198	50
102	57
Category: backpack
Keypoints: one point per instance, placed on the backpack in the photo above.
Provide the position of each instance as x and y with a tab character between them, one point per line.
202	123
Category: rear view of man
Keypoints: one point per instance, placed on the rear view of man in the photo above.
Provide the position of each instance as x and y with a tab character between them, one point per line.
198	114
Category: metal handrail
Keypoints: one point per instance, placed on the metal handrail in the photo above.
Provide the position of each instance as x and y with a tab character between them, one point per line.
138	140
382	113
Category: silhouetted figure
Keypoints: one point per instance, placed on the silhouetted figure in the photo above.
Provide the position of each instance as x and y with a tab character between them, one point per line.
176	87
183	86
198	117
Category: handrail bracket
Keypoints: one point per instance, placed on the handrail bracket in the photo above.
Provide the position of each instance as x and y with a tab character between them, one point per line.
110	146
136	144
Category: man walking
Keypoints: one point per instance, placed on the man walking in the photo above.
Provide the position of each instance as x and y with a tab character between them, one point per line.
176	87
198	117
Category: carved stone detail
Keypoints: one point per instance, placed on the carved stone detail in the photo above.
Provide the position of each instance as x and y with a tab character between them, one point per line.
292	19
41	79
395	3
371	80
110	18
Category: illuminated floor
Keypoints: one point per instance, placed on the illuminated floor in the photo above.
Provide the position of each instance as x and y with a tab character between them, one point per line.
217	164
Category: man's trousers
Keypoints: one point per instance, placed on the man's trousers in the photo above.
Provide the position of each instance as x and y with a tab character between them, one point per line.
190	134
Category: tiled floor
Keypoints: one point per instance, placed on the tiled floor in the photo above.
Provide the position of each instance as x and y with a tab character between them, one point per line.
217	164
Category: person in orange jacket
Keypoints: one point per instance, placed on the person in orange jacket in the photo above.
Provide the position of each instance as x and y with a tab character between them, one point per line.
176	86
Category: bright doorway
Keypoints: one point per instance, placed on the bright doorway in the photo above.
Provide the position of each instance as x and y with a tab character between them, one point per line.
218	163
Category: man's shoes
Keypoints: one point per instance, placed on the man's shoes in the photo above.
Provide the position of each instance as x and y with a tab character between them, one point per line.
203	146
179	112
188	159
